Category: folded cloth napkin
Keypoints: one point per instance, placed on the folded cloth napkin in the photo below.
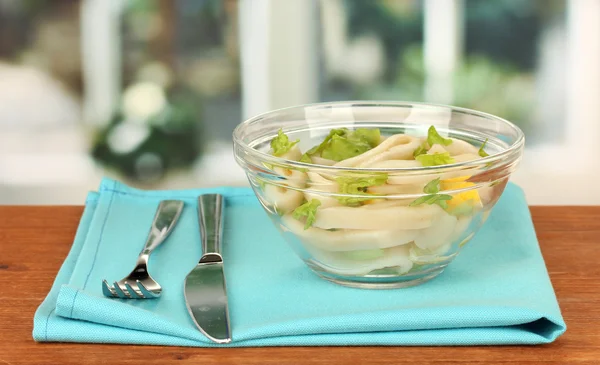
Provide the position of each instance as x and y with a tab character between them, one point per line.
497	291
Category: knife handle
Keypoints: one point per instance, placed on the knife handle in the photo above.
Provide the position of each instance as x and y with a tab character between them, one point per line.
211	217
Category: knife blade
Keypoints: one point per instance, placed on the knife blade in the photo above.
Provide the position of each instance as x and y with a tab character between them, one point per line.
205	288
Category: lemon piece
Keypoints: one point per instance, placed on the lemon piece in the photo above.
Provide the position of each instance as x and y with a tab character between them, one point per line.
460	198
456	179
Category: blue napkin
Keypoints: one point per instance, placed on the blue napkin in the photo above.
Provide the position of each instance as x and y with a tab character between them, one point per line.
497	291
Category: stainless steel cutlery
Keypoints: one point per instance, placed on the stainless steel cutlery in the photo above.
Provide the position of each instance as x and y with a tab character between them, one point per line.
139	284
205	289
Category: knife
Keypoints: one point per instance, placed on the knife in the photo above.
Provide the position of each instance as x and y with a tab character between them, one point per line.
205	290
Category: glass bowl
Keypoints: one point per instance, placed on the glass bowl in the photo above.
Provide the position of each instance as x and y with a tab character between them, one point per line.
359	208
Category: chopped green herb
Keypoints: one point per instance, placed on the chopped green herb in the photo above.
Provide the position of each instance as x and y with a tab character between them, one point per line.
272	167
305	158
421	150
281	144
432	189
433	137
439	199
436	159
482	153
358	185
308	210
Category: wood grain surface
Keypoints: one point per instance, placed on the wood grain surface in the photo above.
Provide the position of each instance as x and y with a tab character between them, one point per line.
34	241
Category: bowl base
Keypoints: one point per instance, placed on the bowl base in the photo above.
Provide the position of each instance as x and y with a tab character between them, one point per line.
378	281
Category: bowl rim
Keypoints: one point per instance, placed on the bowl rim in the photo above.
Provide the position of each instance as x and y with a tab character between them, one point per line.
513	149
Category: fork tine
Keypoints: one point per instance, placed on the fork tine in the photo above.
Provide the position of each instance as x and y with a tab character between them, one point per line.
146	292
107	290
132	292
119	291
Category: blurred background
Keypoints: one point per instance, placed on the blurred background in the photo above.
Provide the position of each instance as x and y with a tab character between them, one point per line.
149	91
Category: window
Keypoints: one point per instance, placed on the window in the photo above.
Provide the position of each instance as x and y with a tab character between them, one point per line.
178	99
43	145
97	73
216	63
507	58
371	50
533	62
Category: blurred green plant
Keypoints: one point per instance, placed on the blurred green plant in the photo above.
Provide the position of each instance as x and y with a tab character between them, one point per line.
496	76
479	83
495	88
505	30
154	131
397	26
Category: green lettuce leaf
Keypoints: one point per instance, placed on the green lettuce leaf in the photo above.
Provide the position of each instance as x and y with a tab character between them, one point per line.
372	136
281	144
305	158
421	150
342	147
437	159
342	143
358	185
316	150
307	210
433	137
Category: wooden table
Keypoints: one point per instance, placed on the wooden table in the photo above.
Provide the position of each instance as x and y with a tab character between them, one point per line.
36	240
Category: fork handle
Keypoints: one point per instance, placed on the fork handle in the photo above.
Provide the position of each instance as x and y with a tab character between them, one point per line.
166	217
211	217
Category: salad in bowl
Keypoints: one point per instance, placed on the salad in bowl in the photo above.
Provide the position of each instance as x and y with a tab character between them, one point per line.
378	195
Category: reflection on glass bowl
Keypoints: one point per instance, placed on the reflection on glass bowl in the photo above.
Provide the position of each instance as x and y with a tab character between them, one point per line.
377	194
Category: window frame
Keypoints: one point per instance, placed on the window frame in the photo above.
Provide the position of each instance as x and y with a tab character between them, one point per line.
573	162
560	173
544	168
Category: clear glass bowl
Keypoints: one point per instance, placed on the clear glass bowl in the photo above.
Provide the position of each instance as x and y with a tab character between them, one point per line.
379	240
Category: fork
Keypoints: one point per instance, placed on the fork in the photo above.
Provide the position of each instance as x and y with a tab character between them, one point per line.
139	284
